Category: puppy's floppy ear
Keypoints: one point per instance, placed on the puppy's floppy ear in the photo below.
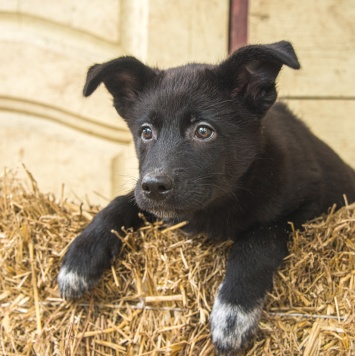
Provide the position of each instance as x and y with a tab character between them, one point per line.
124	77
250	73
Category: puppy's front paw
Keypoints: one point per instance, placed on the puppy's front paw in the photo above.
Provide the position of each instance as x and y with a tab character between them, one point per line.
81	268
232	327
90	254
72	285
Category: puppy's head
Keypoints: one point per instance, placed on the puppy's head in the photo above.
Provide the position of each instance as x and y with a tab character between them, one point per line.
196	127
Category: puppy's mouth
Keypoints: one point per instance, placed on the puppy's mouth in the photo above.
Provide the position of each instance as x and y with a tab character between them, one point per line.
165	211
168	207
167	214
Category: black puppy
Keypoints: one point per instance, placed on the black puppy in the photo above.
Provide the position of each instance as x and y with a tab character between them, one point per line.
215	150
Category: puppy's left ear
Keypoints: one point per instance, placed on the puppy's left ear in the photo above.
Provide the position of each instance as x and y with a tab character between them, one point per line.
250	73
125	78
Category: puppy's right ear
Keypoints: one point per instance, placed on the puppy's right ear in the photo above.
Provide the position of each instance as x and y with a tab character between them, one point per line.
125	78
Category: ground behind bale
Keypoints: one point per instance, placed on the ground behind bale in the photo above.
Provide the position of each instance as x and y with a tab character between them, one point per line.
157	297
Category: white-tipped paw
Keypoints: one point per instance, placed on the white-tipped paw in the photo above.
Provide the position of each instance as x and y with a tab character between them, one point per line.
71	284
232	327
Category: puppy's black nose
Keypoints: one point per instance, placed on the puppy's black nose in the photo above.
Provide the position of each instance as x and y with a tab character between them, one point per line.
157	186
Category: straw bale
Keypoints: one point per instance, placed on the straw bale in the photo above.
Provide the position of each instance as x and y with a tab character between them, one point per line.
157	297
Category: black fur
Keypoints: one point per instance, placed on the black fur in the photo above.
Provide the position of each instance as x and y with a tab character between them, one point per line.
214	149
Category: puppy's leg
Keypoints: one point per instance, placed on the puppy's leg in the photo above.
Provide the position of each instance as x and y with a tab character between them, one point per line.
240	299
94	249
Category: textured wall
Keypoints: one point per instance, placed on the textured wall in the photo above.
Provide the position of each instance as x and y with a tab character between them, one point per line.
46	48
323	91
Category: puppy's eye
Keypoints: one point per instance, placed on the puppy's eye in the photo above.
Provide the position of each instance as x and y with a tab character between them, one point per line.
147	133
203	132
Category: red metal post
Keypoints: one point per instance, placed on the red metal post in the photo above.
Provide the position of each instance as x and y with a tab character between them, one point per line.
238	24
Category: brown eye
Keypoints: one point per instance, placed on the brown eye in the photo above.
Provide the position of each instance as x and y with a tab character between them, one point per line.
147	133
203	132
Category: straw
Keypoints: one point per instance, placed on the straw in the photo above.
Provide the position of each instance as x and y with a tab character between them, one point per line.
157	297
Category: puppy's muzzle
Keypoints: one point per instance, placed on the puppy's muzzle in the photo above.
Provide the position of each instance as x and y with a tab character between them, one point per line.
157	187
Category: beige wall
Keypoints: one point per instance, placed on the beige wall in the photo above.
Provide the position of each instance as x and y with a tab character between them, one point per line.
323	91
46	48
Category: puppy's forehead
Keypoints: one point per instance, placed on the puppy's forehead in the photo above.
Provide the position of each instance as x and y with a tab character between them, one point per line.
184	76
179	87
179	93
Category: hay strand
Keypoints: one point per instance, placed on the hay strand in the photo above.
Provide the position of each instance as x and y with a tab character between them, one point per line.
35	290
